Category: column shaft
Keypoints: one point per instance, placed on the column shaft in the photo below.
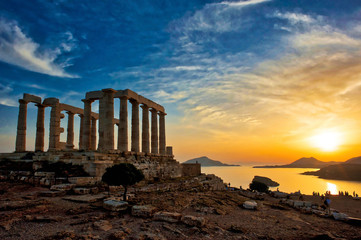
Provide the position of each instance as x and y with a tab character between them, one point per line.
20	145
154	132
40	129
106	120
54	133
123	125
81	131
70	131
162	143
135	126
87	124
94	134
145	129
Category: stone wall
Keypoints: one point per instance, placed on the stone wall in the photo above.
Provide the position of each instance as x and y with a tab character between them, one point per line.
95	163
191	169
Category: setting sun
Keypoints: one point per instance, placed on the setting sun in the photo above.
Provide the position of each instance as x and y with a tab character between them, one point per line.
327	141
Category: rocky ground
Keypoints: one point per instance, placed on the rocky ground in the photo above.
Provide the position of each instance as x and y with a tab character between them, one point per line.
211	215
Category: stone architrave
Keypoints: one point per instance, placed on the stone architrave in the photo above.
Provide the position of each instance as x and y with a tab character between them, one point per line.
135	126
123	125
54	133
162	143
106	120
145	129
20	145
70	131
94	134
81	131
87	124
154	132
40	129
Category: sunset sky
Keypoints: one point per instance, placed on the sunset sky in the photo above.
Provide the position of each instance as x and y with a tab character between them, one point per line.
242	81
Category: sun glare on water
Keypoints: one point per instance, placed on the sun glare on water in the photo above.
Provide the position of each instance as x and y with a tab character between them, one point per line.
327	141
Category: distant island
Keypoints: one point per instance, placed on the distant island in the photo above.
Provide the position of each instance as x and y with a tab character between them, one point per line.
349	170
310	162
206	162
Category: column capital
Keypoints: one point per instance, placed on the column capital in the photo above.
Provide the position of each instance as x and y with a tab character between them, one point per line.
39	105
133	101
144	106
22	101
124	97
162	113
70	113
153	110
80	115
87	100
109	90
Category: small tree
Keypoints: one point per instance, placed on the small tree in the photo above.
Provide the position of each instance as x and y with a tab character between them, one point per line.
258	186
125	174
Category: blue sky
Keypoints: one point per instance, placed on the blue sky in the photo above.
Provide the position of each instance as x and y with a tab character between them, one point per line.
227	72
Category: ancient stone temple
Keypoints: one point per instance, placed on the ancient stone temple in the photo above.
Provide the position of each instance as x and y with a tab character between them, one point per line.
147	148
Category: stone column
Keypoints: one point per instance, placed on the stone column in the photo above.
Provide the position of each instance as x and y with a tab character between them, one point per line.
106	120
162	144
93	145
20	145
70	131
145	129
40	129
135	126
154	131
54	133
87	124
123	125
81	131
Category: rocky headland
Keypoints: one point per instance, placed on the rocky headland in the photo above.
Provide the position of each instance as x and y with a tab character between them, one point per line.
207	162
310	162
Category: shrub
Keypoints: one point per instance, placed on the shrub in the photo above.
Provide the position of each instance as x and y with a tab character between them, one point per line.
258	186
125	174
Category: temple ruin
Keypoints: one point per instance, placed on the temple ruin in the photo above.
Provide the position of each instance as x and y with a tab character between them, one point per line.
154	158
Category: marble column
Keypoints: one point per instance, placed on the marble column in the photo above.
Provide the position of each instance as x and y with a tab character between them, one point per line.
20	145
106	120
81	131
40	129
123	125
154	131
162	143
70	131
54	133
87	124
94	134
135	126
145	129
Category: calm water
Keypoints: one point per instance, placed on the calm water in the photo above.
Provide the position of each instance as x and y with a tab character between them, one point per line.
290	179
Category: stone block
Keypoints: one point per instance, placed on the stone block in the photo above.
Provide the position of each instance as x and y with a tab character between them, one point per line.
51	193
115	205
168	217
298	204
81	191
44	174
252	205
194	221
143	211
84	181
63	187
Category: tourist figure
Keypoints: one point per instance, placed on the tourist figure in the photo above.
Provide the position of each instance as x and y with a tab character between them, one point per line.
327	203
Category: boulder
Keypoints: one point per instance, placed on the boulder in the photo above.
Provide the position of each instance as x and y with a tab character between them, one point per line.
168	217
340	216
194	221
115	205
252	205
143	211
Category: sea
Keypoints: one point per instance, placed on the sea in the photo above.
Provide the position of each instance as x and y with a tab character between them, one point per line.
290	179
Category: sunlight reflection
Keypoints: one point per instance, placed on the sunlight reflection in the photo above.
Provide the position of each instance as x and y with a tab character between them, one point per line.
332	188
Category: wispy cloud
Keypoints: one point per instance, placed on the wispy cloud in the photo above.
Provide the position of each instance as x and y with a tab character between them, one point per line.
18	49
